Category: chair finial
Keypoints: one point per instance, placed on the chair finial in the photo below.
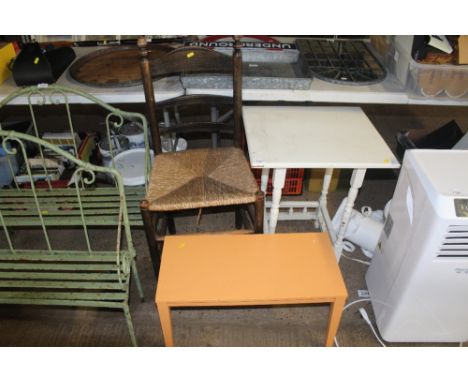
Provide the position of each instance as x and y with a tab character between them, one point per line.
142	45
141	42
237	41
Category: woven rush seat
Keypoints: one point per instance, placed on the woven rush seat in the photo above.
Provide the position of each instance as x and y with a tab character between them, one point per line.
200	178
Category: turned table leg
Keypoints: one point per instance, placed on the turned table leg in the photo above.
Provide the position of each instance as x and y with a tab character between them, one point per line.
279	177
356	182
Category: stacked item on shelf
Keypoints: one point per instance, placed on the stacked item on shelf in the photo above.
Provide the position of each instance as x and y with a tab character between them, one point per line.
438	72
10	161
42	169
46	166
341	61
448	136
428	66
7	56
267	64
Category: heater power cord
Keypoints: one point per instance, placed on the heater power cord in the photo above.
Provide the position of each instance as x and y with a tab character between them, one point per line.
367	319
350	247
364	315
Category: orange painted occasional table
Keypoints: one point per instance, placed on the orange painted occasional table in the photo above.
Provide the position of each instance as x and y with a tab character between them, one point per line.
249	270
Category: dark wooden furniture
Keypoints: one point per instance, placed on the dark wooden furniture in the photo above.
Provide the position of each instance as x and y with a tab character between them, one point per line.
112	67
198	178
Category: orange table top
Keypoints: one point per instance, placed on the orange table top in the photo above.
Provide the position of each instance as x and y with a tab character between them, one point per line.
248	269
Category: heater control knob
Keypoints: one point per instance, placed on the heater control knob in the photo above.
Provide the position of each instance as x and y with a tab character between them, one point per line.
461	208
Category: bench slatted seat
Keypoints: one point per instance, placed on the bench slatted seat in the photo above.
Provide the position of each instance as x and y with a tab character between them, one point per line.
100	206
35	269
62	278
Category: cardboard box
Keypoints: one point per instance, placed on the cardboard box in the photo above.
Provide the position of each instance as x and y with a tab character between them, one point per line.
315	181
381	44
7	53
463	49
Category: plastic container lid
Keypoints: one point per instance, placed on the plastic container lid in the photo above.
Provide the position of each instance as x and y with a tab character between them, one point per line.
134	133
131	165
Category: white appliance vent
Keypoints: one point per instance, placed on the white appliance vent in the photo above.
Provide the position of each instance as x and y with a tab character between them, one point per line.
455	243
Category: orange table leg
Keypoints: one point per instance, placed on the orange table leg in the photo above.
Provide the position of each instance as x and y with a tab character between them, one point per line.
164	312
336	308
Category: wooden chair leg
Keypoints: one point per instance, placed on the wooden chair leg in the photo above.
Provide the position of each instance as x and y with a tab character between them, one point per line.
239	218
250	215
149	224
170	224
259	211
247	216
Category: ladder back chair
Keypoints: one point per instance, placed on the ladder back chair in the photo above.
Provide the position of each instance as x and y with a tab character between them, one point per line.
196	178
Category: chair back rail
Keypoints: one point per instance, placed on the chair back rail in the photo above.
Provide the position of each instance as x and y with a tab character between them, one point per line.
190	60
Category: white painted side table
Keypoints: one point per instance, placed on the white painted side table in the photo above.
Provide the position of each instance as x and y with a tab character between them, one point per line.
328	137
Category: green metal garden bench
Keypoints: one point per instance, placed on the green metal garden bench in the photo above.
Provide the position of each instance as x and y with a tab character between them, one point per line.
64	99
35	265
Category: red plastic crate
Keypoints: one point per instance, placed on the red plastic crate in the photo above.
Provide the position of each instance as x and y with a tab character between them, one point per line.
292	185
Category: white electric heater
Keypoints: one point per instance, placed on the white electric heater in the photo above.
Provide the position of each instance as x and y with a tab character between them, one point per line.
418	277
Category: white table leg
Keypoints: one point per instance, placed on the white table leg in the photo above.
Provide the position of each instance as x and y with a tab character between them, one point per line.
264	179
279	177
263	187
323	196
356	182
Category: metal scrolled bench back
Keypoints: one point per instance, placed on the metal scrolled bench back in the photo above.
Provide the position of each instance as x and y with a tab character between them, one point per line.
38	269
36	97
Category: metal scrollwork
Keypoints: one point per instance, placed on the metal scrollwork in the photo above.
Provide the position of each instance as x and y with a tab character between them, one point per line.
41	98
9	149
114	124
78	175
57	97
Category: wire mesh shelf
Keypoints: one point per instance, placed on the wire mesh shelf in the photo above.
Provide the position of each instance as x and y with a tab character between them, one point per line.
341	61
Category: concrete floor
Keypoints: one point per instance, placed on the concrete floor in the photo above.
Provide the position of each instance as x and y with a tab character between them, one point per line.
265	326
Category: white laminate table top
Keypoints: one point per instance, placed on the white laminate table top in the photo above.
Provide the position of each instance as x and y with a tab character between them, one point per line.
314	137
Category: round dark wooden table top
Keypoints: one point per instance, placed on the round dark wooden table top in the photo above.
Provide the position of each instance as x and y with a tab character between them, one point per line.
113	67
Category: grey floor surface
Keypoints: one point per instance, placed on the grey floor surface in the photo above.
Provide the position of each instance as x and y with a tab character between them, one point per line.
263	326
